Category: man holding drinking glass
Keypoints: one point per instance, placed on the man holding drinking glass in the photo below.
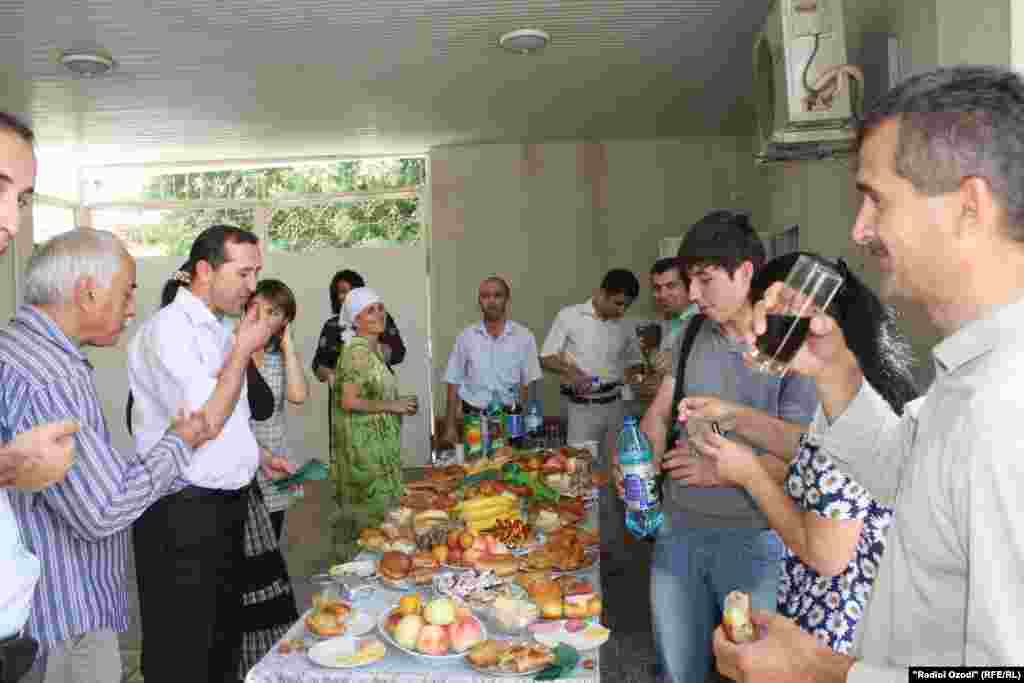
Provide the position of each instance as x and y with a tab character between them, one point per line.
940	168
715	538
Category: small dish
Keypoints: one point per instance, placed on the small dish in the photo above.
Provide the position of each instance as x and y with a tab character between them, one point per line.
582	635
347	652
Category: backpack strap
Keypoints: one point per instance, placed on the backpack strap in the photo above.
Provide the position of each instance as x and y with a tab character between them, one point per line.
684	352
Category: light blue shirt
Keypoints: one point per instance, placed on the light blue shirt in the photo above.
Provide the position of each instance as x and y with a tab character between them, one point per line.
481	364
19	570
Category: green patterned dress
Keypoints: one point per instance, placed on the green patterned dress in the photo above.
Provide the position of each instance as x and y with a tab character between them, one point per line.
366	464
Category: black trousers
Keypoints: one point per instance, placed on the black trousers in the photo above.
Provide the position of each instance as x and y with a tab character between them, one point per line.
189	553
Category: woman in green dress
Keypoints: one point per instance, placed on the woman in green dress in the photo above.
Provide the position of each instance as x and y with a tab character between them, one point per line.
366	464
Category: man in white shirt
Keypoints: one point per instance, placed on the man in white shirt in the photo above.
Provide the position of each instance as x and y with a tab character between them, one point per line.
189	545
495	355
592	349
940	167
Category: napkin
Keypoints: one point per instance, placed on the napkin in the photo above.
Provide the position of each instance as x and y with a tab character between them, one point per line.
566	659
314	470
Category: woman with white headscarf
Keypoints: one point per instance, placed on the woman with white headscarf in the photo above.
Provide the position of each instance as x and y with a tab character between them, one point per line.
366	463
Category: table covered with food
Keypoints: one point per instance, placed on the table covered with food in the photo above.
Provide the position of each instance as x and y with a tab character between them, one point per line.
482	571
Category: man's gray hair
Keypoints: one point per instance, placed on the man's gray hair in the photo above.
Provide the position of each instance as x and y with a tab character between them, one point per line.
59	264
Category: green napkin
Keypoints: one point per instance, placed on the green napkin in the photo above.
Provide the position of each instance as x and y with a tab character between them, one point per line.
314	470
566	659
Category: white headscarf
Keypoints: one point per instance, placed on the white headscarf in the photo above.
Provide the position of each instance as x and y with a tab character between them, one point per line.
355	302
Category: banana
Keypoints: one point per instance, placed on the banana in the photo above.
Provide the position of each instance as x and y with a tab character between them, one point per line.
486	502
489	522
490	511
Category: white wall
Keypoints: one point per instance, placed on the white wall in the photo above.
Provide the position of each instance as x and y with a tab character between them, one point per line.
399	275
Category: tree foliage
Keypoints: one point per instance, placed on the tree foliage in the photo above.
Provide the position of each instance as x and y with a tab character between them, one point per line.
366	221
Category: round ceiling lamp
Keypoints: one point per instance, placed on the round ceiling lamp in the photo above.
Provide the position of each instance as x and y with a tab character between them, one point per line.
525	41
87	64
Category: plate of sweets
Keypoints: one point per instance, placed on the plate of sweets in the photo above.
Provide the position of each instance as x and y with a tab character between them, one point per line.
582	634
507	658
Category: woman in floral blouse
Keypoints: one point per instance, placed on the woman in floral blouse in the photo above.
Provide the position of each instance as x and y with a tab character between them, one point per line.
834	530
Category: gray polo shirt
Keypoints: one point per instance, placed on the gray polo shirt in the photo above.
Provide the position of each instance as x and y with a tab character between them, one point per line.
716	368
950	585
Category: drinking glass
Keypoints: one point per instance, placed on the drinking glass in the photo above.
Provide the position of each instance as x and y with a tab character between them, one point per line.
808	290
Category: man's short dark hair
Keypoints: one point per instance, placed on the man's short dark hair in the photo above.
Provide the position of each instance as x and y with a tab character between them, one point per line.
724	239
955	123
621	281
663	265
12	123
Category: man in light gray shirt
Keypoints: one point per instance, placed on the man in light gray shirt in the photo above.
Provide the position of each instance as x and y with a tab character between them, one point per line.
941	169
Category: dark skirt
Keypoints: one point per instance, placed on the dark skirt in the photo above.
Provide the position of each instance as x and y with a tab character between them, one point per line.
268	604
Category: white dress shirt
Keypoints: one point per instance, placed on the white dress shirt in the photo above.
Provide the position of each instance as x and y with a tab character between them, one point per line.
602	348
481	364
19	572
950	585
173	362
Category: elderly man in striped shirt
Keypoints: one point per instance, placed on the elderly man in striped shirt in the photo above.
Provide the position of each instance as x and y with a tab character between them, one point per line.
80	291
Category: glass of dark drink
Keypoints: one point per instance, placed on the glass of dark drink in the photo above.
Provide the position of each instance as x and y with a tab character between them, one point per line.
807	291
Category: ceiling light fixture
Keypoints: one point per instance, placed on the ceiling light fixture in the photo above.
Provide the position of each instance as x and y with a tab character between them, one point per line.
525	41
87	64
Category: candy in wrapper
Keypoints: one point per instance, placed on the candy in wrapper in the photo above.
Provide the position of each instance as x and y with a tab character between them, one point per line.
736	617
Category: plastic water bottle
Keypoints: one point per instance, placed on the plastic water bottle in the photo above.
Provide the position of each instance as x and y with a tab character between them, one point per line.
515	427
534	424
640	479
495	415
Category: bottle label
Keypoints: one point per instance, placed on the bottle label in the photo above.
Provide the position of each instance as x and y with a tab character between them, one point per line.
472	436
641	483
514	427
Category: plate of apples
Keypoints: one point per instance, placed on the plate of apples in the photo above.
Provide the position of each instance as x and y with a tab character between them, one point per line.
434	630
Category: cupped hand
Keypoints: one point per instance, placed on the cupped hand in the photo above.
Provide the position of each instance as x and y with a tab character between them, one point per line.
403	406
253	331
275	467
782	653
684	465
734	463
193	427
694	470
710	408
39	457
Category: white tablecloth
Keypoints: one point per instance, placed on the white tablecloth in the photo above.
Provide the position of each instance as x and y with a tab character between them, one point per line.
397	666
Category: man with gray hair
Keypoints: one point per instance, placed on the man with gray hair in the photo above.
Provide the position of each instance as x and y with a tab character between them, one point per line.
941	170
80	291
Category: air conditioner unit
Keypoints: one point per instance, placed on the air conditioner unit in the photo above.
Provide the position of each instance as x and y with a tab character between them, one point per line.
802	85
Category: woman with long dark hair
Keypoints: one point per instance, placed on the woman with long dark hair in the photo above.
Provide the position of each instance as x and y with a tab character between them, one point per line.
834	530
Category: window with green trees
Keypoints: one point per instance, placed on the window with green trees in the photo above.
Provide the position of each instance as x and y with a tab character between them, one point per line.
347	203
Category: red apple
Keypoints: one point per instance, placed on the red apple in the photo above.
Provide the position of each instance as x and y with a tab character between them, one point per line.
455	555
433	640
392	621
453	539
465	633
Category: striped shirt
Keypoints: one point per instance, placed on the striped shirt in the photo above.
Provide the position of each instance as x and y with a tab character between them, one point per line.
77	528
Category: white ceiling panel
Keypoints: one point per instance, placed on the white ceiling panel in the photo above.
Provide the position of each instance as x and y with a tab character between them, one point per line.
254	78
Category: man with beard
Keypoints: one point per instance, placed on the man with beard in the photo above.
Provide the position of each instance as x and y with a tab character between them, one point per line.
495	355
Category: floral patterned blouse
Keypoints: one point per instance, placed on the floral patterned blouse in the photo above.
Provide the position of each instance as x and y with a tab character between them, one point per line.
831	607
